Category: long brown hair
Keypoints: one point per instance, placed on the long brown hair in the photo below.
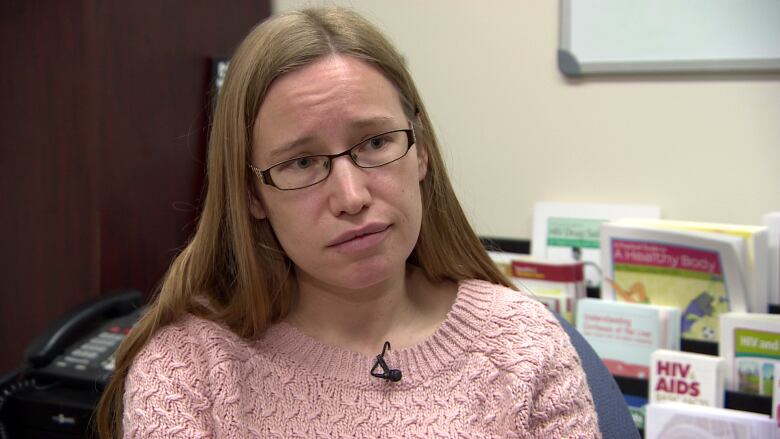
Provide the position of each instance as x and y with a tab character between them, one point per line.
234	262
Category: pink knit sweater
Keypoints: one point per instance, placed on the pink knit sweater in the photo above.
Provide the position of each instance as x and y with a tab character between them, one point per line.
499	366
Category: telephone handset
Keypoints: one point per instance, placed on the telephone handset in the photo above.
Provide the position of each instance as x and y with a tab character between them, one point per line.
79	347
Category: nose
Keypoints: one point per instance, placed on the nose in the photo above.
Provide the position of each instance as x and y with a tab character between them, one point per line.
349	192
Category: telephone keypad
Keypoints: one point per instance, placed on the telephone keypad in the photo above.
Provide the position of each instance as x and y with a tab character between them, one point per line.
81	353
70	359
93	359
93	347
102	342
109	363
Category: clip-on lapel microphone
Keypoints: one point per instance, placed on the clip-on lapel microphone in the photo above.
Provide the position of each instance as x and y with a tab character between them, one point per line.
393	375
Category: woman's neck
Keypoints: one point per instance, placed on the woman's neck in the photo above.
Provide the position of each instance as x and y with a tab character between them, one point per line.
403	310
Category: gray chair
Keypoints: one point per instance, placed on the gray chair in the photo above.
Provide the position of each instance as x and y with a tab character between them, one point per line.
614	418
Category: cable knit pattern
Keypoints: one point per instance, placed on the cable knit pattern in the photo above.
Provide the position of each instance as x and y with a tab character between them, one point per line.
498	366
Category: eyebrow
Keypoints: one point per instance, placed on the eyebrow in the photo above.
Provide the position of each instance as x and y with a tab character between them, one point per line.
307	139
280	151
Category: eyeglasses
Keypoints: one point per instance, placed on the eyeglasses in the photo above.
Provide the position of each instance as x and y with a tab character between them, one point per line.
309	170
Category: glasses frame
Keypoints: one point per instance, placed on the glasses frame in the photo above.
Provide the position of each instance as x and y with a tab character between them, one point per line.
265	175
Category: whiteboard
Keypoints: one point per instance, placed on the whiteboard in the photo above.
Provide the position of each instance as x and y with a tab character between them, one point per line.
667	36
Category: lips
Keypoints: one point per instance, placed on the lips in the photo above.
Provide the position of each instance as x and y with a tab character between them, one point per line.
368	229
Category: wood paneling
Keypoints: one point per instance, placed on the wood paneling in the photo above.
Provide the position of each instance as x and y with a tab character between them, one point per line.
49	247
102	145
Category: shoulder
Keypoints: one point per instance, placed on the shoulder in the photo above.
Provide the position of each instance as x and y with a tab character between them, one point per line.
507	307
170	390
527	344
519	325
190	344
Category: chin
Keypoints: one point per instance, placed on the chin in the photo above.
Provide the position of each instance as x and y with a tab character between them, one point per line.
363	280
366	274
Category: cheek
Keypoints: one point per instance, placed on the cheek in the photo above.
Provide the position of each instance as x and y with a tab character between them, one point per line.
291	224
295	239
411	196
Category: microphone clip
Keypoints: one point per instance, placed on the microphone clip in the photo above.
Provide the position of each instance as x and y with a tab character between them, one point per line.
393	375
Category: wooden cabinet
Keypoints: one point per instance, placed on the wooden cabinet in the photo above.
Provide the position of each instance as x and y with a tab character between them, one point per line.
103	120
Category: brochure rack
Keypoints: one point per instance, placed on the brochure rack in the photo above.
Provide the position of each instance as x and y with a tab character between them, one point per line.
639	387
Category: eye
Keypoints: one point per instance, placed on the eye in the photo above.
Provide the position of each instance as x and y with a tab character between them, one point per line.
376	143
302	163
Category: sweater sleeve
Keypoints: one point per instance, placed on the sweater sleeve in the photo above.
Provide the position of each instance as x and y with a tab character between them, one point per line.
166	394
562	405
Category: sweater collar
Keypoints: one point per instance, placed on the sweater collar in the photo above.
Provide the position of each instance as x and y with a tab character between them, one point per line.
441	351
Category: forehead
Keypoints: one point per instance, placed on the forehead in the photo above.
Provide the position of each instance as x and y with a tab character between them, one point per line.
324	100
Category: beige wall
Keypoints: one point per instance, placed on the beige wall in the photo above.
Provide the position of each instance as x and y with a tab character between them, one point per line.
515	131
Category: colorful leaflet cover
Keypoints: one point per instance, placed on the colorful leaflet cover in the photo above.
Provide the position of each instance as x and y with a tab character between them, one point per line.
754	267
750	344
503	260
570	231
687	377
674	420
556	284
624	335
697	272
772	222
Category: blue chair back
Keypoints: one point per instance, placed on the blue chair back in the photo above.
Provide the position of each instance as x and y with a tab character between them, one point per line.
615	420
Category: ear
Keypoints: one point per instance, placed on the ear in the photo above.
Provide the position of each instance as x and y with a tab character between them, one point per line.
422	162
422	150
255	205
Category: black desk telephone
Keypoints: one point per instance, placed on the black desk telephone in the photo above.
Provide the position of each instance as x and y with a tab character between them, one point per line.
54	394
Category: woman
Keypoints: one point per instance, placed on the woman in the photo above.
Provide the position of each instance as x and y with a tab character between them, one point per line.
330	234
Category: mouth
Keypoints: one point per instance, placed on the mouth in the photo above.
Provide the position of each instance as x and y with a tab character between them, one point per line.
356	234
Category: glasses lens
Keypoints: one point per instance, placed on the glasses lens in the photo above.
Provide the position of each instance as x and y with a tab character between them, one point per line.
376	151
381	150
300	172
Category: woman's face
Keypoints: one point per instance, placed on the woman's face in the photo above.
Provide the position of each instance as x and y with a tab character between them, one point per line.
356	228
